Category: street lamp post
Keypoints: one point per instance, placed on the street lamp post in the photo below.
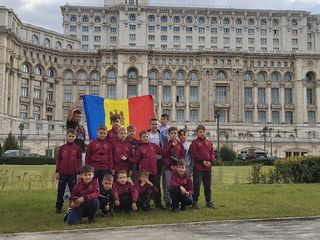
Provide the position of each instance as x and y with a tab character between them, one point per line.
271	141
48	135
21	127
217	116
264	130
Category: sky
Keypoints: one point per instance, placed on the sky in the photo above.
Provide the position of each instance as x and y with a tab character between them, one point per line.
47	14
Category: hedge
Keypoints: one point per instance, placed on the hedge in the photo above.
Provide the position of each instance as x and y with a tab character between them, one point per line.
263	161
27	160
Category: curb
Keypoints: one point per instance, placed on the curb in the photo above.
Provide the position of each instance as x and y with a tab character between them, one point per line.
158	226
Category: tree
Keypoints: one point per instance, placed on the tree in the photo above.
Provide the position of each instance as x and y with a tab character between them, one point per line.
10	143
227	153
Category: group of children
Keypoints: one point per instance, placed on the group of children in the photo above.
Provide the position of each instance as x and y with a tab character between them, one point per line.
115	156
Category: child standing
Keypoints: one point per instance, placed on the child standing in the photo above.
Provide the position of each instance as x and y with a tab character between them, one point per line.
187	159
174	151
181	188
203	157
99	155
122	191
122	152
106	197
84	198
116	124
134	144
142	191
67	166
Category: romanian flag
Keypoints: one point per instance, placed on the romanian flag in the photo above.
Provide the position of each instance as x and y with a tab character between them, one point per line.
135	111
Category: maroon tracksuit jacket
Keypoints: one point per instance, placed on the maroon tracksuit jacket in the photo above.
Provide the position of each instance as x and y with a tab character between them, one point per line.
119	189
146	157
99	155
112	136
88	191
202	150
69	159
137	189
171	153
184	181
121	148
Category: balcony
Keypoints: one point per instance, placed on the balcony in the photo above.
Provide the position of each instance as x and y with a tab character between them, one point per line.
50	103
194	104
166	104
262	106
24	99
37	100
248	106
180	104
276	106
312	107
289	106
223	104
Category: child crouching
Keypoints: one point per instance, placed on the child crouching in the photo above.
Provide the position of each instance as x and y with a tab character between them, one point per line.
106	197
122	191
181	188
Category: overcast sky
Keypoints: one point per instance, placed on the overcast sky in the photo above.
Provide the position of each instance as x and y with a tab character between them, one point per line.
47	14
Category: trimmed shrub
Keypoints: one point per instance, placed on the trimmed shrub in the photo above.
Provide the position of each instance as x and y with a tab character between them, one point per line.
227	153
27	160
264	161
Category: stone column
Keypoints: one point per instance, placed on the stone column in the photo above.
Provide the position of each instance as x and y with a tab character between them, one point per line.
173	116
255	103
187	101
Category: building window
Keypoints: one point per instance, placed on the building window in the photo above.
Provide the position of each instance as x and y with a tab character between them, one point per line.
201	30
311	117
85	28
97	38
248	76
73	19
164	19
275	117
176	38
288	95
180	94
226	31
194	94
248	95
73	28
85	19
238	40
263	41
248	116
164	28
261	95
176	29
24	92
164	38
189	29
194	116
113	39
37	93
132	27
221	94
153	90
239	31
261	77
132	17
274	77
166	97
310	96
214	30
274	95
23	115
132	37
180	116
151	37
151	18
111	91
113	30
37	71
289	117
251	40
263	32
262	117
202	39
294	41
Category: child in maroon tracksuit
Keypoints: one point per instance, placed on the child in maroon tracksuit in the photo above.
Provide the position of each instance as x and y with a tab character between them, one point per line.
84	198
99	155
67	166
174	151
146	157
134	145
122	192
122	152
181	188
116	124
203	157
141	192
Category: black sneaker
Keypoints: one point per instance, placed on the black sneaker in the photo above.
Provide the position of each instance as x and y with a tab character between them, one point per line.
160	206
65	217
58	210
195	205
210	205
168	205
91	221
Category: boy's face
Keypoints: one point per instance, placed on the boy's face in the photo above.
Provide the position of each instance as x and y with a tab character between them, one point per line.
116	124
107	184
144	178
154	125
131	133
201	133
144	138
183	137
77	117
164	121
173	135
71	137
102	134
122	178
122	135
181	170
87	177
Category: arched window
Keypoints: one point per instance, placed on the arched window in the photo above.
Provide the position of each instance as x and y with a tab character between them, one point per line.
288	77
24	68
193	76
95	76
274	77
310	77
263	22
35	39
82	75
153	75
85	19
261	77
50	73
68	75
164	19
113	19
176	19
239	21
46	42
132	73
294	22
248	76
214	21
69	47
97	20
166	75
309	26
202	20
275	22
189	19
37	70
226	21
151	18
58	45
73	19
132	17
221	75
180	75
251	21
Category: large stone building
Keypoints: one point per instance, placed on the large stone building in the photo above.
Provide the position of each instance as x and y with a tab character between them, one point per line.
259	68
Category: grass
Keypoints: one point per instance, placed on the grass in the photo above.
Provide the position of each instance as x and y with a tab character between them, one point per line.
24	210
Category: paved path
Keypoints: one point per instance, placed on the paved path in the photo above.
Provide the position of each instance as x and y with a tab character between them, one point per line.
308	228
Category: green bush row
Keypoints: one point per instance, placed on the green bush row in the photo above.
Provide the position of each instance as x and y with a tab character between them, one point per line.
27	160
265	161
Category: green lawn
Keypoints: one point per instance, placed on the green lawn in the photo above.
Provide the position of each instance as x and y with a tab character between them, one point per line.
33	210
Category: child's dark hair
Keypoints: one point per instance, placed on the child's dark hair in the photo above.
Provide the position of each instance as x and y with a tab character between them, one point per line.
165	115
143	132
122	172
130	127
171	129
182	131
201	127
180	163
86	169
146	174
115	117
108	177
102	127
71	130
77	111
